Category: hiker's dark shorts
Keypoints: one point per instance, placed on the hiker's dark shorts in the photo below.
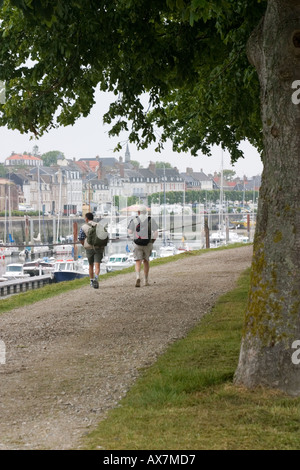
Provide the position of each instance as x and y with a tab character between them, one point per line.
94	255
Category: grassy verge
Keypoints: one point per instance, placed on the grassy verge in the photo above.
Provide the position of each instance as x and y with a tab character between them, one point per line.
51	290
187	399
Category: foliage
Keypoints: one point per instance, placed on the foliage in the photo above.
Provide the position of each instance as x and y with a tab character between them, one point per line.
187	58
163	165
228	175
2	170
20	213
136	164
202	196
50	158
130	200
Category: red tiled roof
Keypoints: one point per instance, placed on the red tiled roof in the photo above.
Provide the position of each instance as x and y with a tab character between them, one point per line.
19	156
82	165
93	165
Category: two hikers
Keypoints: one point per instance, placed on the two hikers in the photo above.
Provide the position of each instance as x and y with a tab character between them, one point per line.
144	231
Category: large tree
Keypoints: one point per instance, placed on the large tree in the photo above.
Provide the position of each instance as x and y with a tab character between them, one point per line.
51	157
214	72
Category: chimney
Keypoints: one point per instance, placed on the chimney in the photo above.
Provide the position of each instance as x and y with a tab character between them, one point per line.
189	171
152	167
99	171
121	166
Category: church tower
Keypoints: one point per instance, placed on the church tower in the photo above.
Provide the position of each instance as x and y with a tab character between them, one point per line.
127	155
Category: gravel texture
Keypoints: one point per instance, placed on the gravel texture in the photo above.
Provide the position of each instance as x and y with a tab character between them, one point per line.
72	358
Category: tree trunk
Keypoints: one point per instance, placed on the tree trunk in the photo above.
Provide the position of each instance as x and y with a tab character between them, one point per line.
272	325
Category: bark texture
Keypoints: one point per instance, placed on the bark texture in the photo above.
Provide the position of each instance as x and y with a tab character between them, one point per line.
272	318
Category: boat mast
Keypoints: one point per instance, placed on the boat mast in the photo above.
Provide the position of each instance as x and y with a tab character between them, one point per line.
59	205
9	208
221	222
5	221
165	224
39	199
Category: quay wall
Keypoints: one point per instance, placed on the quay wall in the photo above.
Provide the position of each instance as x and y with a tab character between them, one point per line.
23	230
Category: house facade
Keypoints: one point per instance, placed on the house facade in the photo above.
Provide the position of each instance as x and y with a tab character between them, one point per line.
17	159
197	180
46	190
9	196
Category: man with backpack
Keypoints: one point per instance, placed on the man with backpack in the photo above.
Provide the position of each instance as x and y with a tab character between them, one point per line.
94	247
144	230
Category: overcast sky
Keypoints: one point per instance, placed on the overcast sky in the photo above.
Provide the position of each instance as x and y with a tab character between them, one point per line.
89	138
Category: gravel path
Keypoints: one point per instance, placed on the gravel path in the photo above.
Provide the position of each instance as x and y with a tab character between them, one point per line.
72	358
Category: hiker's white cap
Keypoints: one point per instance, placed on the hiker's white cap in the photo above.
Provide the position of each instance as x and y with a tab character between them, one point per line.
142	209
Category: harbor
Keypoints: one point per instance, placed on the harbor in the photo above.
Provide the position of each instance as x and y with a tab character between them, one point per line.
39	259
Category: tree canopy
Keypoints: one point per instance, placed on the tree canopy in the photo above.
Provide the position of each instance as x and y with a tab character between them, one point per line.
163	165
187	58
50	158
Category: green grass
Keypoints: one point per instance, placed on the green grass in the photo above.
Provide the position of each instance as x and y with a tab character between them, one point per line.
187	400
51	290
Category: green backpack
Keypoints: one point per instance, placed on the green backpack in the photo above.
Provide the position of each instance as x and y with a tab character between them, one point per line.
97	235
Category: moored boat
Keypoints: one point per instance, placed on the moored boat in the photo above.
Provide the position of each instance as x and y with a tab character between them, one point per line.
68	270
168	250
5	251
119	261
38	267
15	271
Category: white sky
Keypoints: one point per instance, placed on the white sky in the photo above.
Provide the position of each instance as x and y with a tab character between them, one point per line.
89	138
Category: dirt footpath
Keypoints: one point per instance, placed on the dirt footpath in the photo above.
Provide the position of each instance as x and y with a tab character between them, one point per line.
72	358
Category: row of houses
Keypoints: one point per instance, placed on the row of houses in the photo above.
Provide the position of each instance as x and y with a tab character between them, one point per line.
70	185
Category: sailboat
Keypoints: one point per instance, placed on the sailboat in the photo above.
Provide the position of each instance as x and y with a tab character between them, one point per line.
38	238
4	250
40	248
9	249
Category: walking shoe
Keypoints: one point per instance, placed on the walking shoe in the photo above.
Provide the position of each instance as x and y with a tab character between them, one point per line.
92	282
138	283
96	284
147	283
